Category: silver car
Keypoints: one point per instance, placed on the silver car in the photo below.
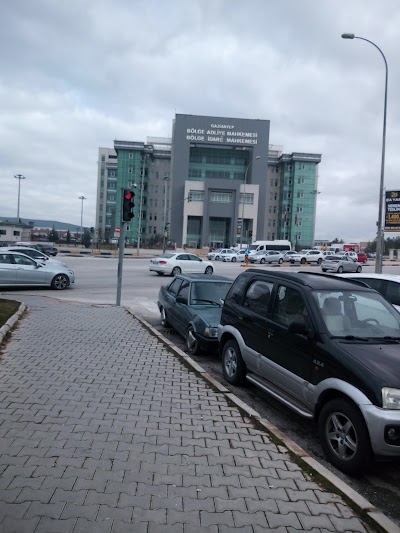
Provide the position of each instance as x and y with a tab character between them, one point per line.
340	263
35	254
20	270
269	256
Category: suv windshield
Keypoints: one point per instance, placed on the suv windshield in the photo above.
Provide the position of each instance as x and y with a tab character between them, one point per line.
358	314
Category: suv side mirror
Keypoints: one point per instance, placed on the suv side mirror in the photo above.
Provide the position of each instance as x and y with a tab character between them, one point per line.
298	327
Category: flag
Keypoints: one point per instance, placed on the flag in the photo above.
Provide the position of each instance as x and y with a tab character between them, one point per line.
296	219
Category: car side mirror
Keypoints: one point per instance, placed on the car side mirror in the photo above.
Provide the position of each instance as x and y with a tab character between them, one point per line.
181	300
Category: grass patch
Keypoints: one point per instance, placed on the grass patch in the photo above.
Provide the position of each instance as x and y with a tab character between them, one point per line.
7	309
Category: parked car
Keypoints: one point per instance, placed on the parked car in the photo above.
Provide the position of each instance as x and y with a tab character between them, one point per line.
288	255
240	255
191	304
351	254
340	263
223	251
20	270
35	254
362	258
308	256
46	248
180	263
387	284
327	347
269	256
228	256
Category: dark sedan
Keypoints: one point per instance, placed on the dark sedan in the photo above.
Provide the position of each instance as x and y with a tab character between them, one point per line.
191	304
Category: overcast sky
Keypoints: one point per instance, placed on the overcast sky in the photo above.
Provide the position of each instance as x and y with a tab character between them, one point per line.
76	75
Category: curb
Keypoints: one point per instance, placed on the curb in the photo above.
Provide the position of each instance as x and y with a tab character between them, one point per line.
357	502
5	330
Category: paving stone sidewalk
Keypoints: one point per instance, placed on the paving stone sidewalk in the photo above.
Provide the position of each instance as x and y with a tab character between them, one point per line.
102	429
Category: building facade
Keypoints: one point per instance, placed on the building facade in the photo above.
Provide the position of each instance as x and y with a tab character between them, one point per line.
217	182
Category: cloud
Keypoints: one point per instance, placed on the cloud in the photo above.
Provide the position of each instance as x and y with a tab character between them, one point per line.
76	76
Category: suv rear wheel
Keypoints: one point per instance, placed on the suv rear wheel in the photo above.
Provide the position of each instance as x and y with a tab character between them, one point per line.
233	366
344	436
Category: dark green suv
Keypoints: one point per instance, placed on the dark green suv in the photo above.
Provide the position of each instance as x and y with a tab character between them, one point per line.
326	347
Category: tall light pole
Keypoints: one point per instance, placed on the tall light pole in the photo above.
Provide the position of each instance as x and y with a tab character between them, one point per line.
380	230
82	198
244	198
19	177
166	178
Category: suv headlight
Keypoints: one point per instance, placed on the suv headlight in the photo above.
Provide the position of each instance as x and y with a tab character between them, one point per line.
211	332
390	398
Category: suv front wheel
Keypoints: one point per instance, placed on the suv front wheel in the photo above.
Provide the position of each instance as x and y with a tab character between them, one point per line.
344	436
233	366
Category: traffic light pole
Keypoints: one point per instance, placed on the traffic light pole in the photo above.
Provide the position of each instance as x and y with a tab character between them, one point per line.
121	244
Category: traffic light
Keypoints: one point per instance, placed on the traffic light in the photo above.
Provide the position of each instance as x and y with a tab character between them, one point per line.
250	233
127	205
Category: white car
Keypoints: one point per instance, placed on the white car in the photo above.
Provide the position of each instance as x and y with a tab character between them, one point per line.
19	270
228	256
387	284
35	254
288	255
180	263
308	256
353	255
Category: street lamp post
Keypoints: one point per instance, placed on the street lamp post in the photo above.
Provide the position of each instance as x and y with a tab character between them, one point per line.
380	230
19	177
166	178
244	198
82	198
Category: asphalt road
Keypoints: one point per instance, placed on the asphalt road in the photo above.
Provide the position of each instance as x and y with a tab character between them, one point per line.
97	283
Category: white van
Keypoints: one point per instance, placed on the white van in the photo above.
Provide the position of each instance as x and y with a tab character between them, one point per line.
259	246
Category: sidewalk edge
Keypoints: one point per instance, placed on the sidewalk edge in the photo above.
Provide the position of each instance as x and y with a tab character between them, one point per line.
365	509
5	330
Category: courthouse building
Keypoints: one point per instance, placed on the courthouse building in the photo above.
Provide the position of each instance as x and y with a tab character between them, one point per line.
217	182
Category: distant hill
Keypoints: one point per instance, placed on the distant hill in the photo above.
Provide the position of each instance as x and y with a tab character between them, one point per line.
43	223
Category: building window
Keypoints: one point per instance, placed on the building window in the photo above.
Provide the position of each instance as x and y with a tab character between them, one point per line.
300	194
194	173
301	180
274	209
130	155
290	181
103	158
277	169
196	196
247	198
288	195
16	233
303	167
3	232
221	197
130	170
299	209
290	167
275	196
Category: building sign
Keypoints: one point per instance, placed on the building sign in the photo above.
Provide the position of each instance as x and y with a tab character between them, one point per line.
392	211
222	133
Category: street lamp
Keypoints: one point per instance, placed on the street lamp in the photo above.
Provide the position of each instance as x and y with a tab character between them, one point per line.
19	177
244	198
166	178
82	198
380	231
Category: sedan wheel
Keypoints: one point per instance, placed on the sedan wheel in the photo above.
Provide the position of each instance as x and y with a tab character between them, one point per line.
280	261
262	261
164	320
60	282
340	269
344	436
233	259
359	268
209	270
191	342
176	271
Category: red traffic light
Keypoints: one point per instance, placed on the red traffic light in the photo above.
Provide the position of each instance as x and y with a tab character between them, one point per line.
128	195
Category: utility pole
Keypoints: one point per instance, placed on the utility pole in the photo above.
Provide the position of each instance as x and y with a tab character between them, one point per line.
166	178
19	177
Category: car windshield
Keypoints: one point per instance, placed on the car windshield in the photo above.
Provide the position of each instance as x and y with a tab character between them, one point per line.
203	292
358	314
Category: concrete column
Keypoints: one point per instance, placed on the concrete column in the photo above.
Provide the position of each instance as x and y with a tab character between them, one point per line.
391	254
